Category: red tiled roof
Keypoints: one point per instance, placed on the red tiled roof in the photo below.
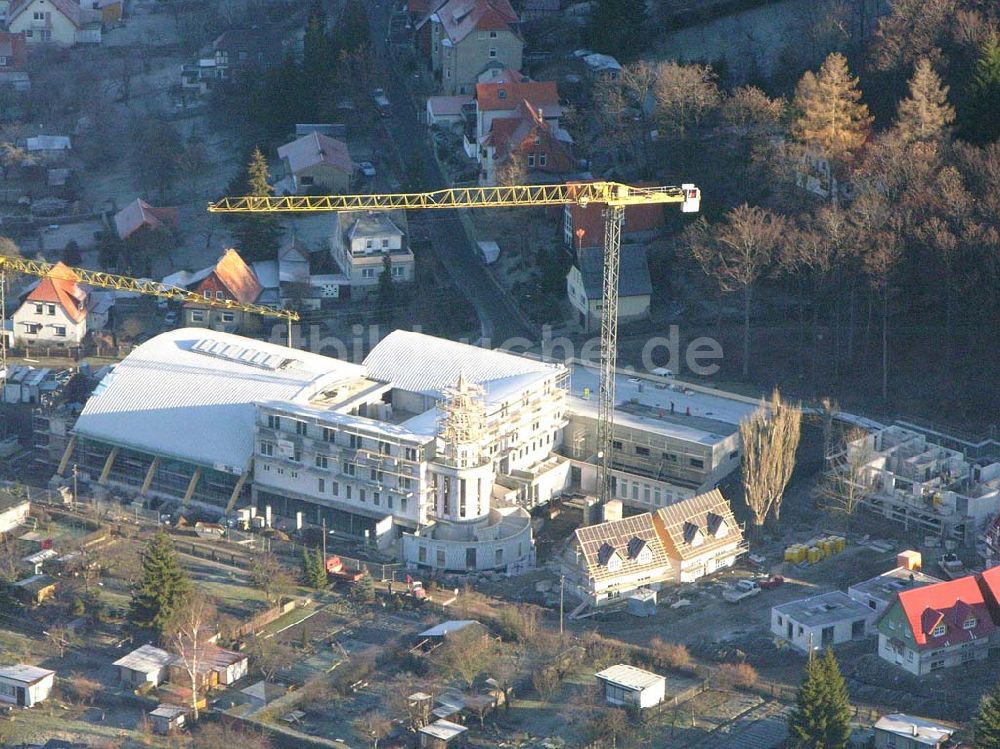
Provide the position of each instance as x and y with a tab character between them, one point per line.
68	8
511	134
506	95
418	7
13	48
590	218
953	603
60	286
237	277
313	149
139	213
459	18
990	583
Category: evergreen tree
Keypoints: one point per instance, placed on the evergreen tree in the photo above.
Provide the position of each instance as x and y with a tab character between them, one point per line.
385	294
163	590
982	120
258	236
317	55
822	715
987	721
364	590
830	116
617	27
314	569
307	566
926	113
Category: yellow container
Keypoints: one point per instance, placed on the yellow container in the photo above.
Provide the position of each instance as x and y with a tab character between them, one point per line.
829	545
841	542
798	553
790	554
814	554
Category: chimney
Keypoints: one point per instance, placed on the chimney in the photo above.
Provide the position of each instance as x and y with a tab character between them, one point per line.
612	510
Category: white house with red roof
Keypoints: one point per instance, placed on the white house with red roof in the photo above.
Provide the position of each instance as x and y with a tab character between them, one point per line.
940	626
464	37
54	311
61	22
524	143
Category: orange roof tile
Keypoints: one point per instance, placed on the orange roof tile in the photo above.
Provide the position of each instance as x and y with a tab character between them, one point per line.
60	286
952	602
237	277
506	95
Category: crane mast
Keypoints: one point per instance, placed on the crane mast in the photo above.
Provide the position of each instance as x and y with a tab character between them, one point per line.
615	196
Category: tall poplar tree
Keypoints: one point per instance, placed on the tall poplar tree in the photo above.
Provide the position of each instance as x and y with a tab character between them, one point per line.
164	589
925	114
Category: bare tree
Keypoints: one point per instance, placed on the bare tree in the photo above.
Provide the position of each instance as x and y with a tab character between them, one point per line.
736	253
608	723
375	725
465	654
506	668
684	95
62	638
82	689
770	437
269	656
224	734
847	483
190	641
752	119
269	575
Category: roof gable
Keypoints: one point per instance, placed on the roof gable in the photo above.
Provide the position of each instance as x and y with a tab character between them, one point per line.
139	213
633	271
236	277
954	604
60	286
687	526
459	18
67	8
316	148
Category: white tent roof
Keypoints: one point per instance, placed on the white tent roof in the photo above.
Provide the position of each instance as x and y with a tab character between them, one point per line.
189	393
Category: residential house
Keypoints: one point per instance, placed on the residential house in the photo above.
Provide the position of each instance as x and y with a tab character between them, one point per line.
602	67
525	144
49	148
628	686
937	626
146	665
167	719
317	162
13	57
24	685
361	242
585	286
900	731
679	543
244	51
141	216
54	311
442	734
230	279
880	592
583	225
821	621
61	22
463	37
216	667
13	511
501	97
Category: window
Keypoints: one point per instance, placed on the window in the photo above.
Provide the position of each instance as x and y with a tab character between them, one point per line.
411	453
499	557
329	435
296	455
361	494
440	558
273	422
368	244
306	181
60	331
347	489
335	488
935	665
376	498
3	61
368	273
641	450
970	623
39	309
349	469
38	15
320	485
355	441
422	554
197	315
51	309
301	428
219	295
227	316
398	270
939	630
385	448
402	505
404	482
207	293
670	457
616	444
531	159
493	51
890	740
267	448
493	35
322	461
542	158
697	463
29	33
385	243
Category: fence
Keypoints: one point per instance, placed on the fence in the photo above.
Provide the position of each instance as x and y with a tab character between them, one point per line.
261	620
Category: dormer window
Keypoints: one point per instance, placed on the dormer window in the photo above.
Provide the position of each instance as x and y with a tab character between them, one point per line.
939	630
501	93
970	623
614	563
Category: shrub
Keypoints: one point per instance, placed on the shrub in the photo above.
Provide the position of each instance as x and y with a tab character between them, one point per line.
546	681
671	654
737	676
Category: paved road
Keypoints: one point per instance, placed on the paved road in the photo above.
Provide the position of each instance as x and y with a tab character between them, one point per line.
499	319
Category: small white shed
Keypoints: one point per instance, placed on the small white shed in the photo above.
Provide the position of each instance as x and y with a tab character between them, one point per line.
24	685
144	665
632	687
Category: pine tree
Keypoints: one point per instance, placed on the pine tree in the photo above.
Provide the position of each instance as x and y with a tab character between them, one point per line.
926	113
258	236
987	721
831	118
822	715
982	120
319	577
364	590
617	27
163	590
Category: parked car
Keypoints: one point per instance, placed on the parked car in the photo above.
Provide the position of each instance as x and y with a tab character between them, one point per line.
367	168
774	581
381	101
742	589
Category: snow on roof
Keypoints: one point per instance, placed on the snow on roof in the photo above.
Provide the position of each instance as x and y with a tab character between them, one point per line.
313	149
918	730
168	711
185	279
266	272
49	143
630	677
145	659
444	730
139	213
189	393
596	61
24	673
445	628
424	364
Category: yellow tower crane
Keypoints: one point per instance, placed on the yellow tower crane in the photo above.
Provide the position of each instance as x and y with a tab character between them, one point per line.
103	280
615	196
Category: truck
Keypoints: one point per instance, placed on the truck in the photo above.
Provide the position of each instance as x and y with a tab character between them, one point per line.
742	589
336	570
952	567
381	102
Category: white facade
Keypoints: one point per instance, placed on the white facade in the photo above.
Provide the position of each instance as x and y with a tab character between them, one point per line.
360	244
821	621
47	323
628	686
13	512
44	21
25	686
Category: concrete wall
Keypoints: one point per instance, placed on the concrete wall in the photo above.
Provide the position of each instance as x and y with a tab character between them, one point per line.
336	180
472	54
27	314
451	555
14	516
801	633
